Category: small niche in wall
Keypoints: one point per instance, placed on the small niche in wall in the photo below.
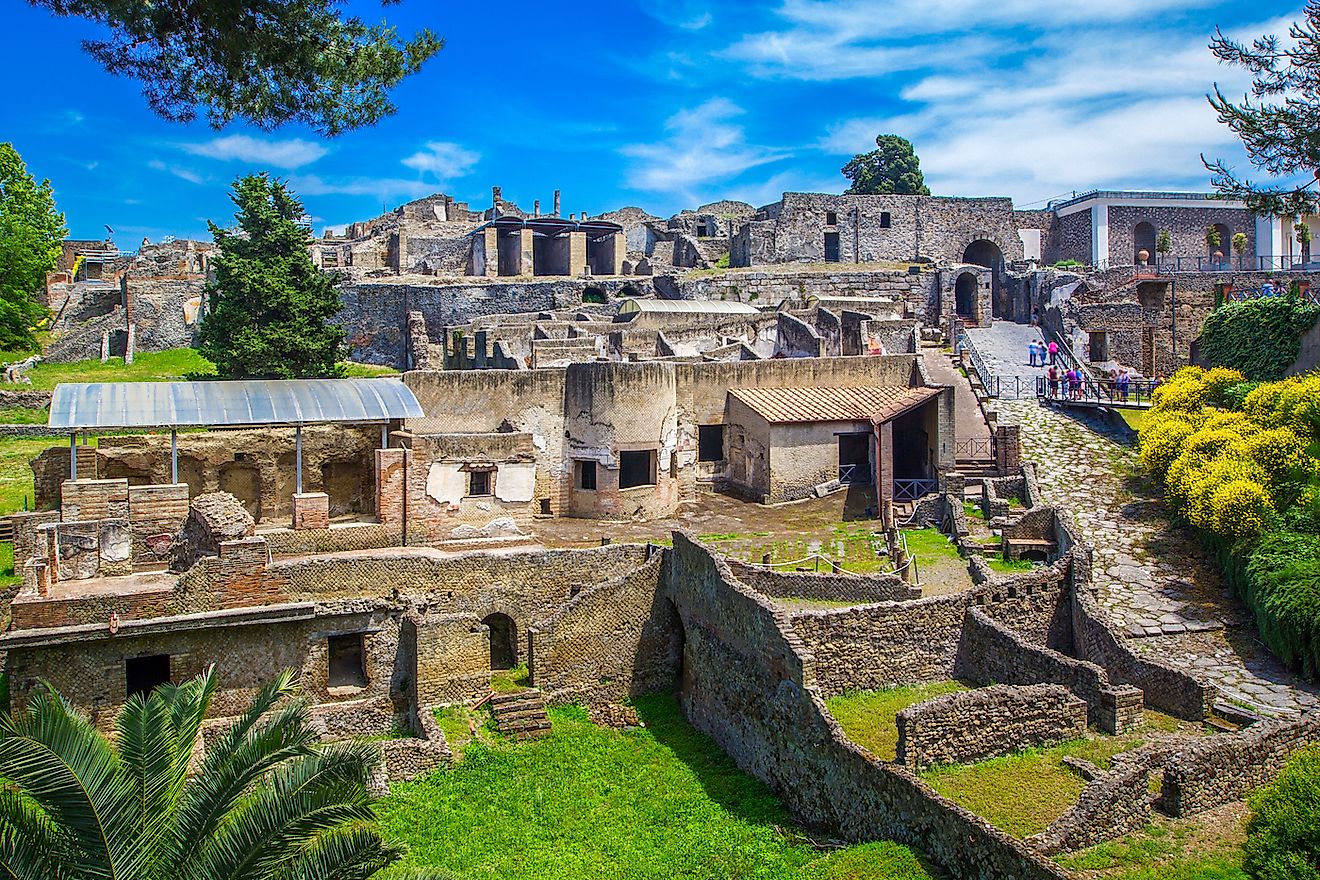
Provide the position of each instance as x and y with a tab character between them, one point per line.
710	443
831	218
479	483
586	475
886	220
347	666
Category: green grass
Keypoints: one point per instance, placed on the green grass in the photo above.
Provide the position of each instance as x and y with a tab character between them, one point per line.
1024	792
354	370
158	366
868	716
1135	418
15	471
8	577
973	510
1008	566
585	802
508	681
1164	850
22	415
932	543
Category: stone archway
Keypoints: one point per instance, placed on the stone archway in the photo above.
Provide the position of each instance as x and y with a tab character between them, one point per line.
1143	239
503	640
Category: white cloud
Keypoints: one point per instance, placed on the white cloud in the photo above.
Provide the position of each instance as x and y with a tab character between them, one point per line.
444	161
383	188
177	170
292	153
703	146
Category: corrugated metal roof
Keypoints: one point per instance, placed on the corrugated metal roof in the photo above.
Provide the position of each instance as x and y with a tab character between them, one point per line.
102	406
878	403
688	306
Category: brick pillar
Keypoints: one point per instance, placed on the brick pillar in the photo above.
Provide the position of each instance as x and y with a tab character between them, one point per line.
390	488
525	264
620	251
577	253
1008	449
1120	709
884	456
489	244
311	510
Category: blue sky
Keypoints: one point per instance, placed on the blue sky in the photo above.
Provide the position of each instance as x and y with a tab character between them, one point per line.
668	105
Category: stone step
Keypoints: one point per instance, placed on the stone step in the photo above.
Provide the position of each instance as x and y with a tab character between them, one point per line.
516	697
537	711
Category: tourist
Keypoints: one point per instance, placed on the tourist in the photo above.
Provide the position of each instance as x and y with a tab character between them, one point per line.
1124	382
1031	352
1052	375
1035	318
1054	350
1074	384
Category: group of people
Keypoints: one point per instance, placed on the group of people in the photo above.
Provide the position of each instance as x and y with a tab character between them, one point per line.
1068	382
1037	351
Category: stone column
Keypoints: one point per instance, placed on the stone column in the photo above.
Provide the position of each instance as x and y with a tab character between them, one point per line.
1008	449
556	203
525	265
577	254
391	490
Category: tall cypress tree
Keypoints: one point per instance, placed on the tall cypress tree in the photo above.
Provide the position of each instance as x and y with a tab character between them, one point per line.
270	310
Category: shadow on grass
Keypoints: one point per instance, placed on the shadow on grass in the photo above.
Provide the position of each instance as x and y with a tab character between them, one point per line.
740	794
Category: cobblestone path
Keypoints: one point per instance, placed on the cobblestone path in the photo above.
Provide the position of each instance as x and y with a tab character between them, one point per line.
1154	581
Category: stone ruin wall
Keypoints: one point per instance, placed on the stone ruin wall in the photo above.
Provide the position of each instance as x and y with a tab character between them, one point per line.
987	722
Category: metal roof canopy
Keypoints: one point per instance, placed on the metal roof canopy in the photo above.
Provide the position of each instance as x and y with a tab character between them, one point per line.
552	226
84	406
872	403
688	306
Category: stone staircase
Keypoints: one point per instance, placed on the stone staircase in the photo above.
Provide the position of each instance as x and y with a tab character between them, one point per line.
975	470
521	715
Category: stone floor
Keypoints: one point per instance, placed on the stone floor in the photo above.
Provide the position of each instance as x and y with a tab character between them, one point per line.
1152	578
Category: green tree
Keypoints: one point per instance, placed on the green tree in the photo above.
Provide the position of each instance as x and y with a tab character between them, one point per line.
268	802
1164	243
30	234
1212	239
270	63
1240	243
892	168
1283	834
270	310
1276	123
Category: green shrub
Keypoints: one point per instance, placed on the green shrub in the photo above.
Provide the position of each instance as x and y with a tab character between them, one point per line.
1282	584
1283	834
1260	337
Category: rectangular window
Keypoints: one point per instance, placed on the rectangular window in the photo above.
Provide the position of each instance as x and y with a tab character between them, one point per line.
479	483
710	443
347	668
586	475
831	218
142	674
885	220
637	468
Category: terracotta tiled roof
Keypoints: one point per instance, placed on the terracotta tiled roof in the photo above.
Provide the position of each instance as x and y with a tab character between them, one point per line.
871	403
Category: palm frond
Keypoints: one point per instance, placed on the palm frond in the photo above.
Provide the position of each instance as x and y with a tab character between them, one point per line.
56	758
31	847
354	852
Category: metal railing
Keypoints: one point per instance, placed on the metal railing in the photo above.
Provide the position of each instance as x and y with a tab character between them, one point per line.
975	447
1136	394
911	490
854	475
988	379
1262	292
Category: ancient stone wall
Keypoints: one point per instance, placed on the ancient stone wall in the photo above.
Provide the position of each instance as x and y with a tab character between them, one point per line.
835	587
610	642
797	339
749	683
1211	771
974	725
1187	229
1075	238
1114	804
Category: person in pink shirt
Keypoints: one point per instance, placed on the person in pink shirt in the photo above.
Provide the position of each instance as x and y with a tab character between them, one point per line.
1054	350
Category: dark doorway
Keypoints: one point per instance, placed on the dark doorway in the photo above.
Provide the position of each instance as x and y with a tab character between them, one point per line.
143	674
1143	239
912	451
503	641
342	481
1221	250
855	458
710	443
984	252
637	468
347	666
1098	346
964	295
586	475
831	247
629	290
593	295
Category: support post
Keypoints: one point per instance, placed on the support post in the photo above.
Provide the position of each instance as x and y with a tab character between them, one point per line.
174	455
297	447
385	435
73	456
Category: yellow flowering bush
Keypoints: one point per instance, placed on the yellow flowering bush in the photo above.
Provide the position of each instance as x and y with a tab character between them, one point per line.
1220	379
1239	509
1204	484
1162	443
1280	453
1184	391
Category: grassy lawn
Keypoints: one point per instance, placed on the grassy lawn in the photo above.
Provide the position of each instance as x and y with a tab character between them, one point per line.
8	577
509	681
1024	792
15	472
1207	847
852	544
940	566
1008	566
868	716
158	366
22	415
586	802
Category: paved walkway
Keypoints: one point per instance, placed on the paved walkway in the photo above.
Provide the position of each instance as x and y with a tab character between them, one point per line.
1003	348
1154	581
969	421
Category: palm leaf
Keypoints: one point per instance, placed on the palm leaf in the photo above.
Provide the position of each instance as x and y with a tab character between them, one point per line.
354	852
31	847
55	757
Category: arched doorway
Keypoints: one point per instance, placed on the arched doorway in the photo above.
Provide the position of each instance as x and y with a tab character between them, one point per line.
593	295
984	252
1143	239
964	295
1219	252
503	641
629	290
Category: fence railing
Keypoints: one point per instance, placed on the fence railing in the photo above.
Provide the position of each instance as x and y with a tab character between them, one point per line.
1136	393
1269	292
988	379
975	447
911	490
854	475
